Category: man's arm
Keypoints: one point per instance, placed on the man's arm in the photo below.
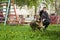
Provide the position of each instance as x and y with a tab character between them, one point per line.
40	13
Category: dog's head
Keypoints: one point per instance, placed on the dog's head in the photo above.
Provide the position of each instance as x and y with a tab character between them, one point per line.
39	23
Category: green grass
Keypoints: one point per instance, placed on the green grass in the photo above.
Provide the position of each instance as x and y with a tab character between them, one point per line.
25	33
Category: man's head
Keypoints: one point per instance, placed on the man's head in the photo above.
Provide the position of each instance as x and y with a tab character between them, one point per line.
44	9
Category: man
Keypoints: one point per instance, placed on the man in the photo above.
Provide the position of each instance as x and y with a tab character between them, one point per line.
44	17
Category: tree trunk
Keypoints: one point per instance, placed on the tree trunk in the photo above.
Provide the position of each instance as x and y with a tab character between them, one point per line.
57	7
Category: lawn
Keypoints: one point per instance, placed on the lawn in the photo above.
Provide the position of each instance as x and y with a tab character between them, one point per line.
19	32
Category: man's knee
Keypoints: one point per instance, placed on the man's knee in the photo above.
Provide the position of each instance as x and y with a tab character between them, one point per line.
47	22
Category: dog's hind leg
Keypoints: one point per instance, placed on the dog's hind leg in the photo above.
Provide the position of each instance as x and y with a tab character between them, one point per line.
38	28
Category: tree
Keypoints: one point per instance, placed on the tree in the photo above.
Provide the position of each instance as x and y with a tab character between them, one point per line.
57	6
29	3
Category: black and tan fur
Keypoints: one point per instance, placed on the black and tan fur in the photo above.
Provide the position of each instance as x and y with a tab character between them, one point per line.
36	24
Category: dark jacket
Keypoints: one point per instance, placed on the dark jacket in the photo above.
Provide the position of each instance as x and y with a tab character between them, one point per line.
43	15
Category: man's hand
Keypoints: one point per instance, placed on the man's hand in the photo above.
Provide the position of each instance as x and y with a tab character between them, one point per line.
43	19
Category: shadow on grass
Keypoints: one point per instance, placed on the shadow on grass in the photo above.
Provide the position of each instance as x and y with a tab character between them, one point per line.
52	35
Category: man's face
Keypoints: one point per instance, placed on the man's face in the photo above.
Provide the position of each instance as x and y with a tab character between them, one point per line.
44	9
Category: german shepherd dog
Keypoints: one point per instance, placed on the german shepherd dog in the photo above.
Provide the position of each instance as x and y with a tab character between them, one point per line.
36	24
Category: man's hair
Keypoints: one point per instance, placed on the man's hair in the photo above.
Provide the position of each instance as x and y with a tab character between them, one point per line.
44	7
